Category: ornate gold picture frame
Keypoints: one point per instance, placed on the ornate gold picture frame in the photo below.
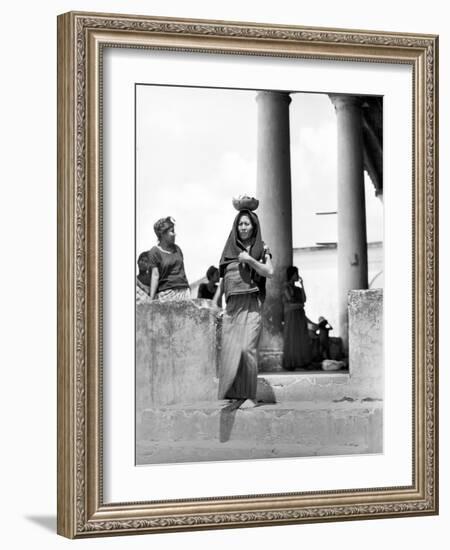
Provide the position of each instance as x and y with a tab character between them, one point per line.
83	510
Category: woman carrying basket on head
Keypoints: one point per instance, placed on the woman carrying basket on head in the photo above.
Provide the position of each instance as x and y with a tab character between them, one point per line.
244	266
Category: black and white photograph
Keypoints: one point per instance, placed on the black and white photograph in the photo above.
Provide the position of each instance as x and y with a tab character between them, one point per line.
223	241
259	274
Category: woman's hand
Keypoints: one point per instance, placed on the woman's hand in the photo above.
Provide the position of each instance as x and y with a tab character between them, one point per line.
216	310
244	257
264	269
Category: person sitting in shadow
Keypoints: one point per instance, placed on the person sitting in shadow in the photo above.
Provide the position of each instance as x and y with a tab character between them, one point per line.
143	279
324	341
209	289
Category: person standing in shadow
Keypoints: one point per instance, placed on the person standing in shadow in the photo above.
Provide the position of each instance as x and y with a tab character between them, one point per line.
297	349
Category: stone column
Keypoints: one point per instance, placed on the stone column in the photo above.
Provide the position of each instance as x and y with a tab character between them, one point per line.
273	189
352	234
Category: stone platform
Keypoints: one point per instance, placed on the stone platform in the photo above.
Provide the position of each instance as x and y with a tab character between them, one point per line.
213	431
303	413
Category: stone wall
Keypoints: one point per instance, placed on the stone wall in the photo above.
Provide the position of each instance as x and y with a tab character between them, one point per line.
365	308
177	347
178	416
176	355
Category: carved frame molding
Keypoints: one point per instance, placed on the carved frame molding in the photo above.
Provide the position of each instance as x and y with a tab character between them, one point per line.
81	37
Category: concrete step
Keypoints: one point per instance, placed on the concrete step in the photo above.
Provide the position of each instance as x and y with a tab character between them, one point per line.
317	385
211	431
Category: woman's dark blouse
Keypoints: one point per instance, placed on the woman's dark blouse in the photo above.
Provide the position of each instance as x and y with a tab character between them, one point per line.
170	267
204	292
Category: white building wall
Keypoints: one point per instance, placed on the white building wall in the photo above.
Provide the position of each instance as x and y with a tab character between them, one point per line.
318	268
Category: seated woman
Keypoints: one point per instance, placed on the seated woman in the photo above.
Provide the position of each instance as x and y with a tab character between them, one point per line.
208	290
244	266
297	352
143	279
168	279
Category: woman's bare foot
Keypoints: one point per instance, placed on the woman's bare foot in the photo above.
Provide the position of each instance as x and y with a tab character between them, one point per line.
234	404
248	404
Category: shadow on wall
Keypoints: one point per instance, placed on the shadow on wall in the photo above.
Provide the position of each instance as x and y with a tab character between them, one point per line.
265	395
227	418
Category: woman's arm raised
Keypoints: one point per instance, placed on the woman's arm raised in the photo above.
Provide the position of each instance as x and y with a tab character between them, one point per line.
264	269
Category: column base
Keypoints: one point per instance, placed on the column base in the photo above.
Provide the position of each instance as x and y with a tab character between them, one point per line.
270	360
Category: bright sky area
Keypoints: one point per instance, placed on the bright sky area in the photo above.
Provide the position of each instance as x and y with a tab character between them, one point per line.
196	149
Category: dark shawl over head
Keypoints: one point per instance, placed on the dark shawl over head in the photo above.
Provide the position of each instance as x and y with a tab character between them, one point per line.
233	247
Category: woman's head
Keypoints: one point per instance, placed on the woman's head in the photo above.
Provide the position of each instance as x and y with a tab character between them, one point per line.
245	233
245	226
165	230
292	273
212	274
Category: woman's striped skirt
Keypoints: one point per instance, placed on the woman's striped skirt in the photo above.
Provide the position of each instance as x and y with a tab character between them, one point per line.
241	330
